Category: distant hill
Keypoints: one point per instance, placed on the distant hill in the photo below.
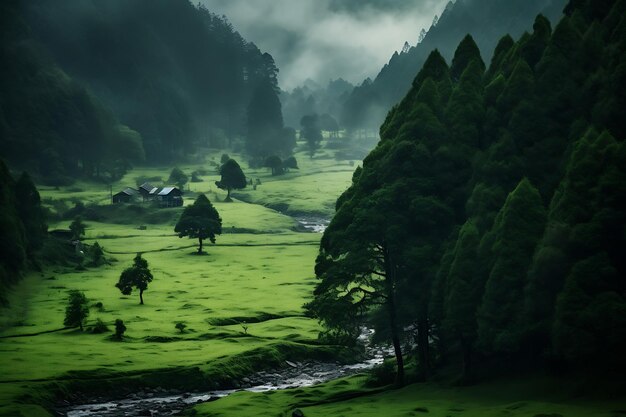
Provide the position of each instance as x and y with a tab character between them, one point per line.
486	20
176	73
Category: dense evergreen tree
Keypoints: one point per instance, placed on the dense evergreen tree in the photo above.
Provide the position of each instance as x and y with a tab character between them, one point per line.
485	20
515	233
476	275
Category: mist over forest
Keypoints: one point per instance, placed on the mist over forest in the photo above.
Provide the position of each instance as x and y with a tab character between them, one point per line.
312	208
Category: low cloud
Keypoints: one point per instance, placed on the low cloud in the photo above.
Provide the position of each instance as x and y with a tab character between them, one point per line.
327	39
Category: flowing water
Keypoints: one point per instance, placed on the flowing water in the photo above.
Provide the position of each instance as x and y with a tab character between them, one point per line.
293	375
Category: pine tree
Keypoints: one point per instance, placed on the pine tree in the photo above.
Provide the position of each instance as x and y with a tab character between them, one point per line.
516	231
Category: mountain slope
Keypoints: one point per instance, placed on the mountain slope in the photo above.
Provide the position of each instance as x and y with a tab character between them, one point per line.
485	20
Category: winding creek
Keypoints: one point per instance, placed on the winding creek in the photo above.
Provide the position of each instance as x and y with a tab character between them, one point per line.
160	402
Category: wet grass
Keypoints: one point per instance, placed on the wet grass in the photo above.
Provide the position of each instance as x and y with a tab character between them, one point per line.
533	396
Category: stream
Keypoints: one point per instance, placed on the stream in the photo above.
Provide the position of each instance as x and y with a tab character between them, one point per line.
161	402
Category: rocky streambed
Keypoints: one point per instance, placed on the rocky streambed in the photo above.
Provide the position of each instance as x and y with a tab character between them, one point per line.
160	402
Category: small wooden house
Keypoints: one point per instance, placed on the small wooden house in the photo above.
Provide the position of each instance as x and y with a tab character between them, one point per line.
128	195
148	191
170	197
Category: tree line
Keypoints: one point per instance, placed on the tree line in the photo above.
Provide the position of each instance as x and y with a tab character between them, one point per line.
91	88
22	227
487	227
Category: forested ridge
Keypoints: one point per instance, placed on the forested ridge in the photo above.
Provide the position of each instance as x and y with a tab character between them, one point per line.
488	225
485	20
91	88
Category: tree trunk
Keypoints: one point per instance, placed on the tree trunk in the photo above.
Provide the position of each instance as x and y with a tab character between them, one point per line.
140	296
228	195
422	347
390	282
200	247
81	326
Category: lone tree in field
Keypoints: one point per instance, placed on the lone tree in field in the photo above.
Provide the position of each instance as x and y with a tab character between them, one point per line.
233	178
77	227
200	220
137	276
178	177
275	163
77	310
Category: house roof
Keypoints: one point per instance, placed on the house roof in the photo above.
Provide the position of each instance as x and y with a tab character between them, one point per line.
167	190
128	191
147	187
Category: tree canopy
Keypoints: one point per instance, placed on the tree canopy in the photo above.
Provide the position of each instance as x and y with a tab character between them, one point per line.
233	177
199	221
487	224
137	276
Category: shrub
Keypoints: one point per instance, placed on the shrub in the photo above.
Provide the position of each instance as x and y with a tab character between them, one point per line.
99	327
120	329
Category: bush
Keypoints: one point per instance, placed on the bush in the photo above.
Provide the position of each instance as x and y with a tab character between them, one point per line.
181	326
383	374
120	329
99	327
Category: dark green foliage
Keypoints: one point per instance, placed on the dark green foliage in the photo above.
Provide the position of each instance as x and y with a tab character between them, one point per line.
311	132
463	289
266	134
290	163
180	326
77	310
515	233
487	21
275	164
96	254
171	84
178	177
120	329
199	221
50	124
465	53
425	245
233	177
99	327
22	227
77	227
137	276
30	212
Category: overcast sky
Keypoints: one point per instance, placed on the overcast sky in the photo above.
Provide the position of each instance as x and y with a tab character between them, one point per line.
328	39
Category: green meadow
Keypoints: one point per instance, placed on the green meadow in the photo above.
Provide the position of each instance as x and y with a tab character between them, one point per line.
240	301
530	396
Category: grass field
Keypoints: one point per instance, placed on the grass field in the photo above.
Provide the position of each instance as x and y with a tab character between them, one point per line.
531	396
260	272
